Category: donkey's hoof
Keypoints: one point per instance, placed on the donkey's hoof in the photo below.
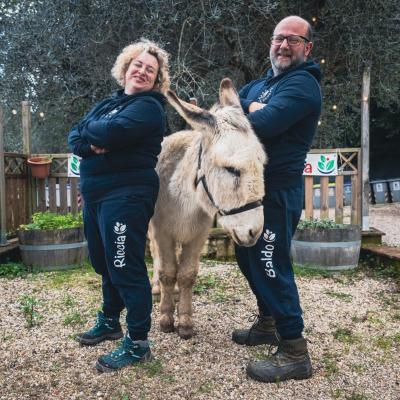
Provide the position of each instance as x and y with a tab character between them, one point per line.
166	324
185	332
167	328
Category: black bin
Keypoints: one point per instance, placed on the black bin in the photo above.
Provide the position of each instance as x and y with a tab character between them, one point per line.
394	186
380	190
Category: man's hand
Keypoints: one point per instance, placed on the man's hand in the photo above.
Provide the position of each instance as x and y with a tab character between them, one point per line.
254	106
98	150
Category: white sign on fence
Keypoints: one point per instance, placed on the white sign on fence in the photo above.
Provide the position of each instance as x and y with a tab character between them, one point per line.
321	164
74	163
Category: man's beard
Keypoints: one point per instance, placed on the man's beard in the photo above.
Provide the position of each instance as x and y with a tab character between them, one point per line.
279	67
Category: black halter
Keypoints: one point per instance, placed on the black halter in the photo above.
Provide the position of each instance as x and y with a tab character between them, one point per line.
221	212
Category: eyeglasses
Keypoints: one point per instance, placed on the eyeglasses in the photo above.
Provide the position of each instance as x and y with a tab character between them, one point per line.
293	40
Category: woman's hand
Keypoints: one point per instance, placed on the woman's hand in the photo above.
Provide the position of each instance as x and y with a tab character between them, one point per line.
254	106
98	150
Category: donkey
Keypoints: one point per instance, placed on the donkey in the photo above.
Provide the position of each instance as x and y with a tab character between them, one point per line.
216	168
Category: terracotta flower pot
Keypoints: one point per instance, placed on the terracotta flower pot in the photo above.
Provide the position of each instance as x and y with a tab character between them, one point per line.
40	166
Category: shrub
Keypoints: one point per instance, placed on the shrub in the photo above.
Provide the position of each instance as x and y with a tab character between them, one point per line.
48	220
318	223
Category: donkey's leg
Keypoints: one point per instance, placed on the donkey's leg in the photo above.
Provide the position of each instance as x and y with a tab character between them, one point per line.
188	269
167	274
155	282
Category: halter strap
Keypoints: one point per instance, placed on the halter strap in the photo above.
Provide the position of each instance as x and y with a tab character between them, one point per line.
202	179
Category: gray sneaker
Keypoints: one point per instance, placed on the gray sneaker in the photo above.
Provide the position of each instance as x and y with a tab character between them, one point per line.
290	361
104	329
261	332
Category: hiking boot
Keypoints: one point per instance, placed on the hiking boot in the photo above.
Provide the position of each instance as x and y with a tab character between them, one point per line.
261	332
290	361
104	329
128	353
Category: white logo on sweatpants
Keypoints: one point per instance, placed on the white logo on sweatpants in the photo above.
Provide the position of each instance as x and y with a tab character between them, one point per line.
266	255
119	258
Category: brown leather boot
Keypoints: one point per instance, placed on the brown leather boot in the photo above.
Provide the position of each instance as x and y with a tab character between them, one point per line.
290	361
261	332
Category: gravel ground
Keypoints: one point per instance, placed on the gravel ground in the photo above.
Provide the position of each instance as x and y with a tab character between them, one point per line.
386	217
352	324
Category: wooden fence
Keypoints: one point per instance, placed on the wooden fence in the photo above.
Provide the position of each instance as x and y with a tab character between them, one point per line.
349	164
26	195
59	193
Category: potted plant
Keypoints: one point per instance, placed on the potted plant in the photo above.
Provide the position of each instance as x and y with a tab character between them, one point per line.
327	245
40	166
53	241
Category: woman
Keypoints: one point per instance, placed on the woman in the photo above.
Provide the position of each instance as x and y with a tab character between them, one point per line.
119	141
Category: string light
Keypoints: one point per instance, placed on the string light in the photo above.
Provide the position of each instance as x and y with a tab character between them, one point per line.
334	107
319	122
314	19
323	61
365	98
41	114
14	112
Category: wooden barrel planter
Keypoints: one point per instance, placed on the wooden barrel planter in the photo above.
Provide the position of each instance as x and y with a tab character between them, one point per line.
334	249
52	250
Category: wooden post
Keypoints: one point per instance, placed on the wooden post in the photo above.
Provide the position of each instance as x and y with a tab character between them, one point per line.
339	199
26	127
365	147
3	227
308	193
27	150
324	199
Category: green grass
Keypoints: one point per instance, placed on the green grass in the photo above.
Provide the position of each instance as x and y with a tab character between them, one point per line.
68	301
339	295
330	363
388	343
75	318
13	270
357	396
152	368
345	335
205	282
206	387
80	276
310	272
372	266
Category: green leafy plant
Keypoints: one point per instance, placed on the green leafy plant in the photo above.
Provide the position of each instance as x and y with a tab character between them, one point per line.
29	306
48	220
13	270
75	318
318	223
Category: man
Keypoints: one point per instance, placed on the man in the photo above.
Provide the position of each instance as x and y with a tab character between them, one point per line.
283	108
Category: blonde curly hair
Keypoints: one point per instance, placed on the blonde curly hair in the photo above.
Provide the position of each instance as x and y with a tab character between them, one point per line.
132	51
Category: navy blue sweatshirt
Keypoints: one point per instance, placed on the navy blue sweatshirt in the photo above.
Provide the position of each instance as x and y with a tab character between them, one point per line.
131	128
287	124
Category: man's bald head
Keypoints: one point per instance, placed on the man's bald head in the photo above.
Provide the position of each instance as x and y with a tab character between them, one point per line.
297	23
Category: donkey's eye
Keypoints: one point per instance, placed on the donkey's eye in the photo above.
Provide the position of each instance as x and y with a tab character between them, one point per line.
233	171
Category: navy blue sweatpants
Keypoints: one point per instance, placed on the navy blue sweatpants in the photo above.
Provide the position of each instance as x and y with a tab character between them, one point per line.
267	265
116	229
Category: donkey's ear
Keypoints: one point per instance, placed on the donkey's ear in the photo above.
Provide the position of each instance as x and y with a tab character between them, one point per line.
227	94
193	115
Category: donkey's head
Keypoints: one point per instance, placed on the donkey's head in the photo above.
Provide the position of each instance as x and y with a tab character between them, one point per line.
230	162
